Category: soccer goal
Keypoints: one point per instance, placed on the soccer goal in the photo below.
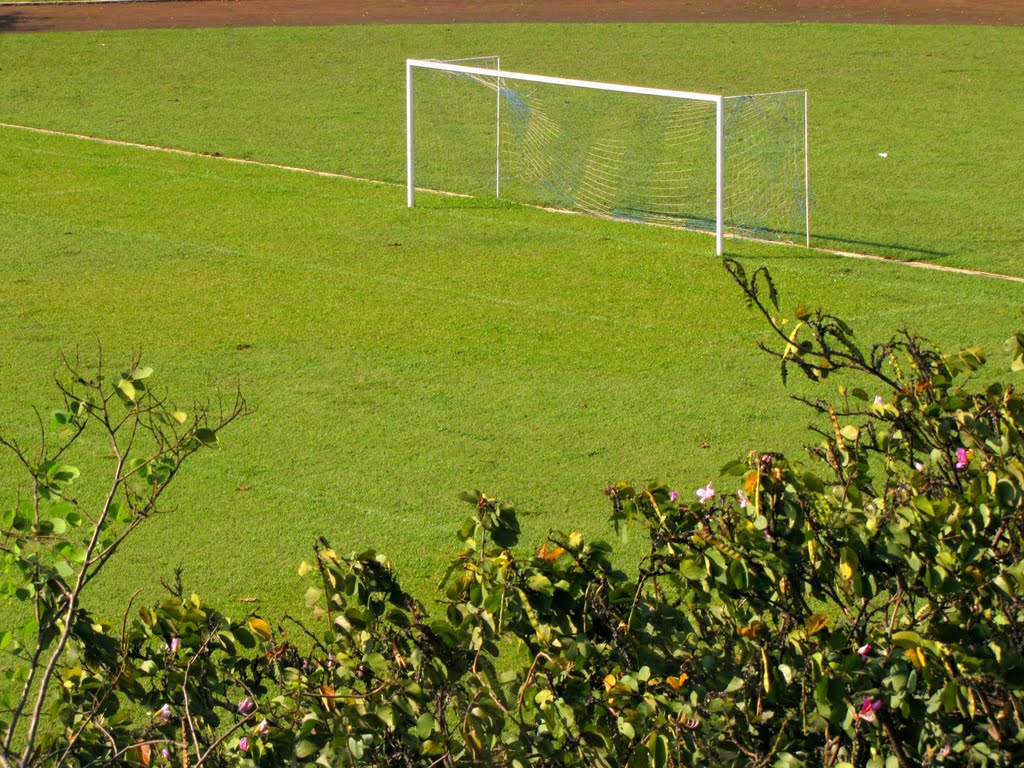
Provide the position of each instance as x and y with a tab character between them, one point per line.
734	166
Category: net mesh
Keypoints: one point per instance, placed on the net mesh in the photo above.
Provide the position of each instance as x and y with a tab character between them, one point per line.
619	155
765	171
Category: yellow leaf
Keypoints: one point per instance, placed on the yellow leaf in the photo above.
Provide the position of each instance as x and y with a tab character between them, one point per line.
848	562
179	416
260	627
575	539
327	697
752	630
676	682
142	753
792	348
127	389
766	678
916	656
551	555
609	682
816	623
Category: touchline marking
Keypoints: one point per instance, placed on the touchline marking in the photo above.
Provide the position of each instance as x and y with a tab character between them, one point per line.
379	182
210	155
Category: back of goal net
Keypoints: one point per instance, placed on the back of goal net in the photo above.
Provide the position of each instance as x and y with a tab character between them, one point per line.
617	155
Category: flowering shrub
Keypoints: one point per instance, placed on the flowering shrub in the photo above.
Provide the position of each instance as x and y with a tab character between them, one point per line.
862	609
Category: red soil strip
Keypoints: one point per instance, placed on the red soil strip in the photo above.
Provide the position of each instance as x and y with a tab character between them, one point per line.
258	13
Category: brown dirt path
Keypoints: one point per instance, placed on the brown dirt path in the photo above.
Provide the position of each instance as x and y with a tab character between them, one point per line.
22	17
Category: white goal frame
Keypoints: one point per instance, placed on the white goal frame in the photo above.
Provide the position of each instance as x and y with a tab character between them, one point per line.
499	74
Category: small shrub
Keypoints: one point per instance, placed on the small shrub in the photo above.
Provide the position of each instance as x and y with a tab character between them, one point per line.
860	609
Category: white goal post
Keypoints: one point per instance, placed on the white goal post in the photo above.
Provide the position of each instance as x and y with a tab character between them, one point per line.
669	153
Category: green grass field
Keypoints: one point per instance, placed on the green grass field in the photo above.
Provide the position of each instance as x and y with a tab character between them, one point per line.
399	356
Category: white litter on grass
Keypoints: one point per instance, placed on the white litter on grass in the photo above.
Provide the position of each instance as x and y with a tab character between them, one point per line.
883	154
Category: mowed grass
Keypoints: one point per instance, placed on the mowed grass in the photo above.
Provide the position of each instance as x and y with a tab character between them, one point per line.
943	103
396	357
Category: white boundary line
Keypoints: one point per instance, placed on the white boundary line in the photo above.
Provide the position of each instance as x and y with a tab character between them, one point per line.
348	177
192	153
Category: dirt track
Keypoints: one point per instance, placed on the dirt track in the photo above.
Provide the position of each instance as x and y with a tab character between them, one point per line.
250	13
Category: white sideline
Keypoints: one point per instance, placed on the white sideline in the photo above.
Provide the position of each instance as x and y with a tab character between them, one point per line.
347	177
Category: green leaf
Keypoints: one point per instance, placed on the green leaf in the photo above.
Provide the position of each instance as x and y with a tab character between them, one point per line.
541	583
62	474
140	373
733	468
737	575
70	552
207	437
660	751
425	725
304	749
691	570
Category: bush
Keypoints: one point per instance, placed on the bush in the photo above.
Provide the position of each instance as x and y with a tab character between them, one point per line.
863	609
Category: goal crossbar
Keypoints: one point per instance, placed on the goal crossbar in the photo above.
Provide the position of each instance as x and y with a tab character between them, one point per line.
500	75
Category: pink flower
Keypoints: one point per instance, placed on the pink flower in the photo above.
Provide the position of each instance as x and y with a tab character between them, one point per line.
961	458
706	493
164	713
869	708
864	650
263	729
174	645
246	707
165	753
878	400
243	745
743	498
674	495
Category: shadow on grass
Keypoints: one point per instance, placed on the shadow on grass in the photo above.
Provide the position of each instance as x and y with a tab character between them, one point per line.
889	249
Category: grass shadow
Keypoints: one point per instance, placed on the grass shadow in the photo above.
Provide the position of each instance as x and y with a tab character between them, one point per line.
894	249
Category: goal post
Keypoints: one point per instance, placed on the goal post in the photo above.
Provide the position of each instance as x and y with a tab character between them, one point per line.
663	156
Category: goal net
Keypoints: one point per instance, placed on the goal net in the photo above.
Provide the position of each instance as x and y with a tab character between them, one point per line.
733	166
